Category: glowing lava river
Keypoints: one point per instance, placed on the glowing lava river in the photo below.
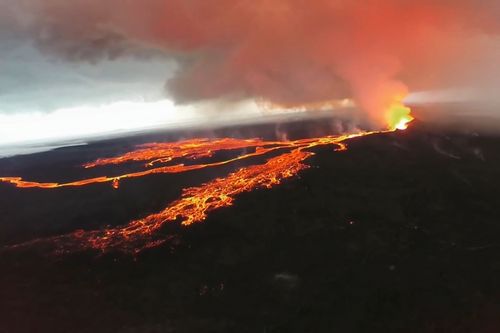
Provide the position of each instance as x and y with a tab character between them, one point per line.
195	202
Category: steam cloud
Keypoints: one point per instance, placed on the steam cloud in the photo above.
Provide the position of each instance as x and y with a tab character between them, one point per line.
289	52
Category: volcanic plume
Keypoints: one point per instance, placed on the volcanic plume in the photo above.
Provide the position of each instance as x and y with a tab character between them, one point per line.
289	52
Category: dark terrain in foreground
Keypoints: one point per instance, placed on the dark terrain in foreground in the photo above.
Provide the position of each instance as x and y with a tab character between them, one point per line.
401	233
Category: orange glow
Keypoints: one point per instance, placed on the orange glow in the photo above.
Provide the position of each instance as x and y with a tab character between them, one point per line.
398	116
162	153
196	202
165	152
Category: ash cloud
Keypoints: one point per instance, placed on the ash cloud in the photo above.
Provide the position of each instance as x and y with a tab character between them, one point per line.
288	52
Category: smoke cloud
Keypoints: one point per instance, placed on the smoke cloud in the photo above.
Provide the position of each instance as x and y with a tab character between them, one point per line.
287	52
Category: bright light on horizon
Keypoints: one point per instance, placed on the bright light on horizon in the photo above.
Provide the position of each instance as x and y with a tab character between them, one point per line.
89	121
75	125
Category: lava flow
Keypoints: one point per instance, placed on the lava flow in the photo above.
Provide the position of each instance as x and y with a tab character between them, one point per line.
195	202
162	153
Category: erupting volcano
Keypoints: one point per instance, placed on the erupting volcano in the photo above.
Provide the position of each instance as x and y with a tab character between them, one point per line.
196	202
245	166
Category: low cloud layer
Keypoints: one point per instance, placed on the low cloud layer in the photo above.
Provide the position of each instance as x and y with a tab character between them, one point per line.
289	52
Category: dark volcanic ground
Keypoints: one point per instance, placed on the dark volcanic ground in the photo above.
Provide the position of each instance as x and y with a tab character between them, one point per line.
401	233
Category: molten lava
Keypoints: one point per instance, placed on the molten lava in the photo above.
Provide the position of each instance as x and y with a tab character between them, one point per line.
398	116
156	153
196	202
165	152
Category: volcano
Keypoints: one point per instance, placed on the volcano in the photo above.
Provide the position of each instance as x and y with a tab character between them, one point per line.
395	231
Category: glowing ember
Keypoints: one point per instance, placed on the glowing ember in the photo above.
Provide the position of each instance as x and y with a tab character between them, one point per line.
196	202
